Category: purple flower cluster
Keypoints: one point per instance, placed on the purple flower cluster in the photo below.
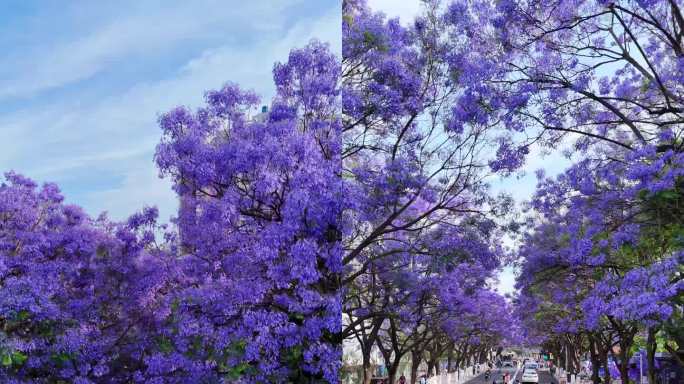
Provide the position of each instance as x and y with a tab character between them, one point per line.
259	231
358	207
79	295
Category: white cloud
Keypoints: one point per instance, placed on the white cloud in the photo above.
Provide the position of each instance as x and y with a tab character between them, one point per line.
116	135
507	281
140	33
140	187
406	10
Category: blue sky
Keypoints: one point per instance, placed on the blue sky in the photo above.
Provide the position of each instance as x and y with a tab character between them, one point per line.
82	83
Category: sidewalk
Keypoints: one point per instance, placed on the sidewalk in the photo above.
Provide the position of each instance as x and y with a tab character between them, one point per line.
459	377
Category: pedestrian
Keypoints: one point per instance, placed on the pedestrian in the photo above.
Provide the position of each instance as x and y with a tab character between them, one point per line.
402	379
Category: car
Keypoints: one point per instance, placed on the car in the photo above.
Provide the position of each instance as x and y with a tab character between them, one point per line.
531	365
529	376
508	364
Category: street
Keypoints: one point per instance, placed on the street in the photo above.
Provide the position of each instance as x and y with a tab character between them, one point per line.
497	376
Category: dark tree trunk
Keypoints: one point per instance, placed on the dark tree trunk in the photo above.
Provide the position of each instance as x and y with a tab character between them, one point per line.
651	346
624	360
415	363
367	368
676	354
393	370
386	355
606	370
595	362
574	359
450	360
483	356
366	348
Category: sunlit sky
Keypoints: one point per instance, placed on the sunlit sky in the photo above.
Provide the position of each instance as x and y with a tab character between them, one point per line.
82	83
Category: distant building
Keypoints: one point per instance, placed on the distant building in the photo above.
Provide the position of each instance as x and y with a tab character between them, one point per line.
262	116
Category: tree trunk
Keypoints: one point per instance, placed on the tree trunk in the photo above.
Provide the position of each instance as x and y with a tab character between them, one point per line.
675	354
450	360
415	363
367	368
393	370
651	346
624	361
606	369
386	355
574	358
595	362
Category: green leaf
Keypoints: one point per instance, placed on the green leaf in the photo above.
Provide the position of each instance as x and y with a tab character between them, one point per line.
668	195
165	345
237	371
6	359
23	315
18	358
61	358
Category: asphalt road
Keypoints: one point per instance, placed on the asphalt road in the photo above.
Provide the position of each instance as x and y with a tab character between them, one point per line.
497	376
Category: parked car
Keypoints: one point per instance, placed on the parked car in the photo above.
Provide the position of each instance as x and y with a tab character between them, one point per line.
530	376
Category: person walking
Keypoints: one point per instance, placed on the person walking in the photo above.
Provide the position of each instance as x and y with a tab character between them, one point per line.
402	379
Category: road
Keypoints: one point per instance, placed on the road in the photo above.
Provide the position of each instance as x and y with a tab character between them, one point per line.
497	376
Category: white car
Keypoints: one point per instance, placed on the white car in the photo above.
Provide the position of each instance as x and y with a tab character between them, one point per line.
529	376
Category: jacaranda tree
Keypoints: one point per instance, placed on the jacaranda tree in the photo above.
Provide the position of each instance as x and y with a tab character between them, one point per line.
79	297
259	228
359	207
418	222
602	79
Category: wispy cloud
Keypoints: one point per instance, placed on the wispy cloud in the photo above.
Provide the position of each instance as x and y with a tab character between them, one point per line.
142	32
100	148
406	11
